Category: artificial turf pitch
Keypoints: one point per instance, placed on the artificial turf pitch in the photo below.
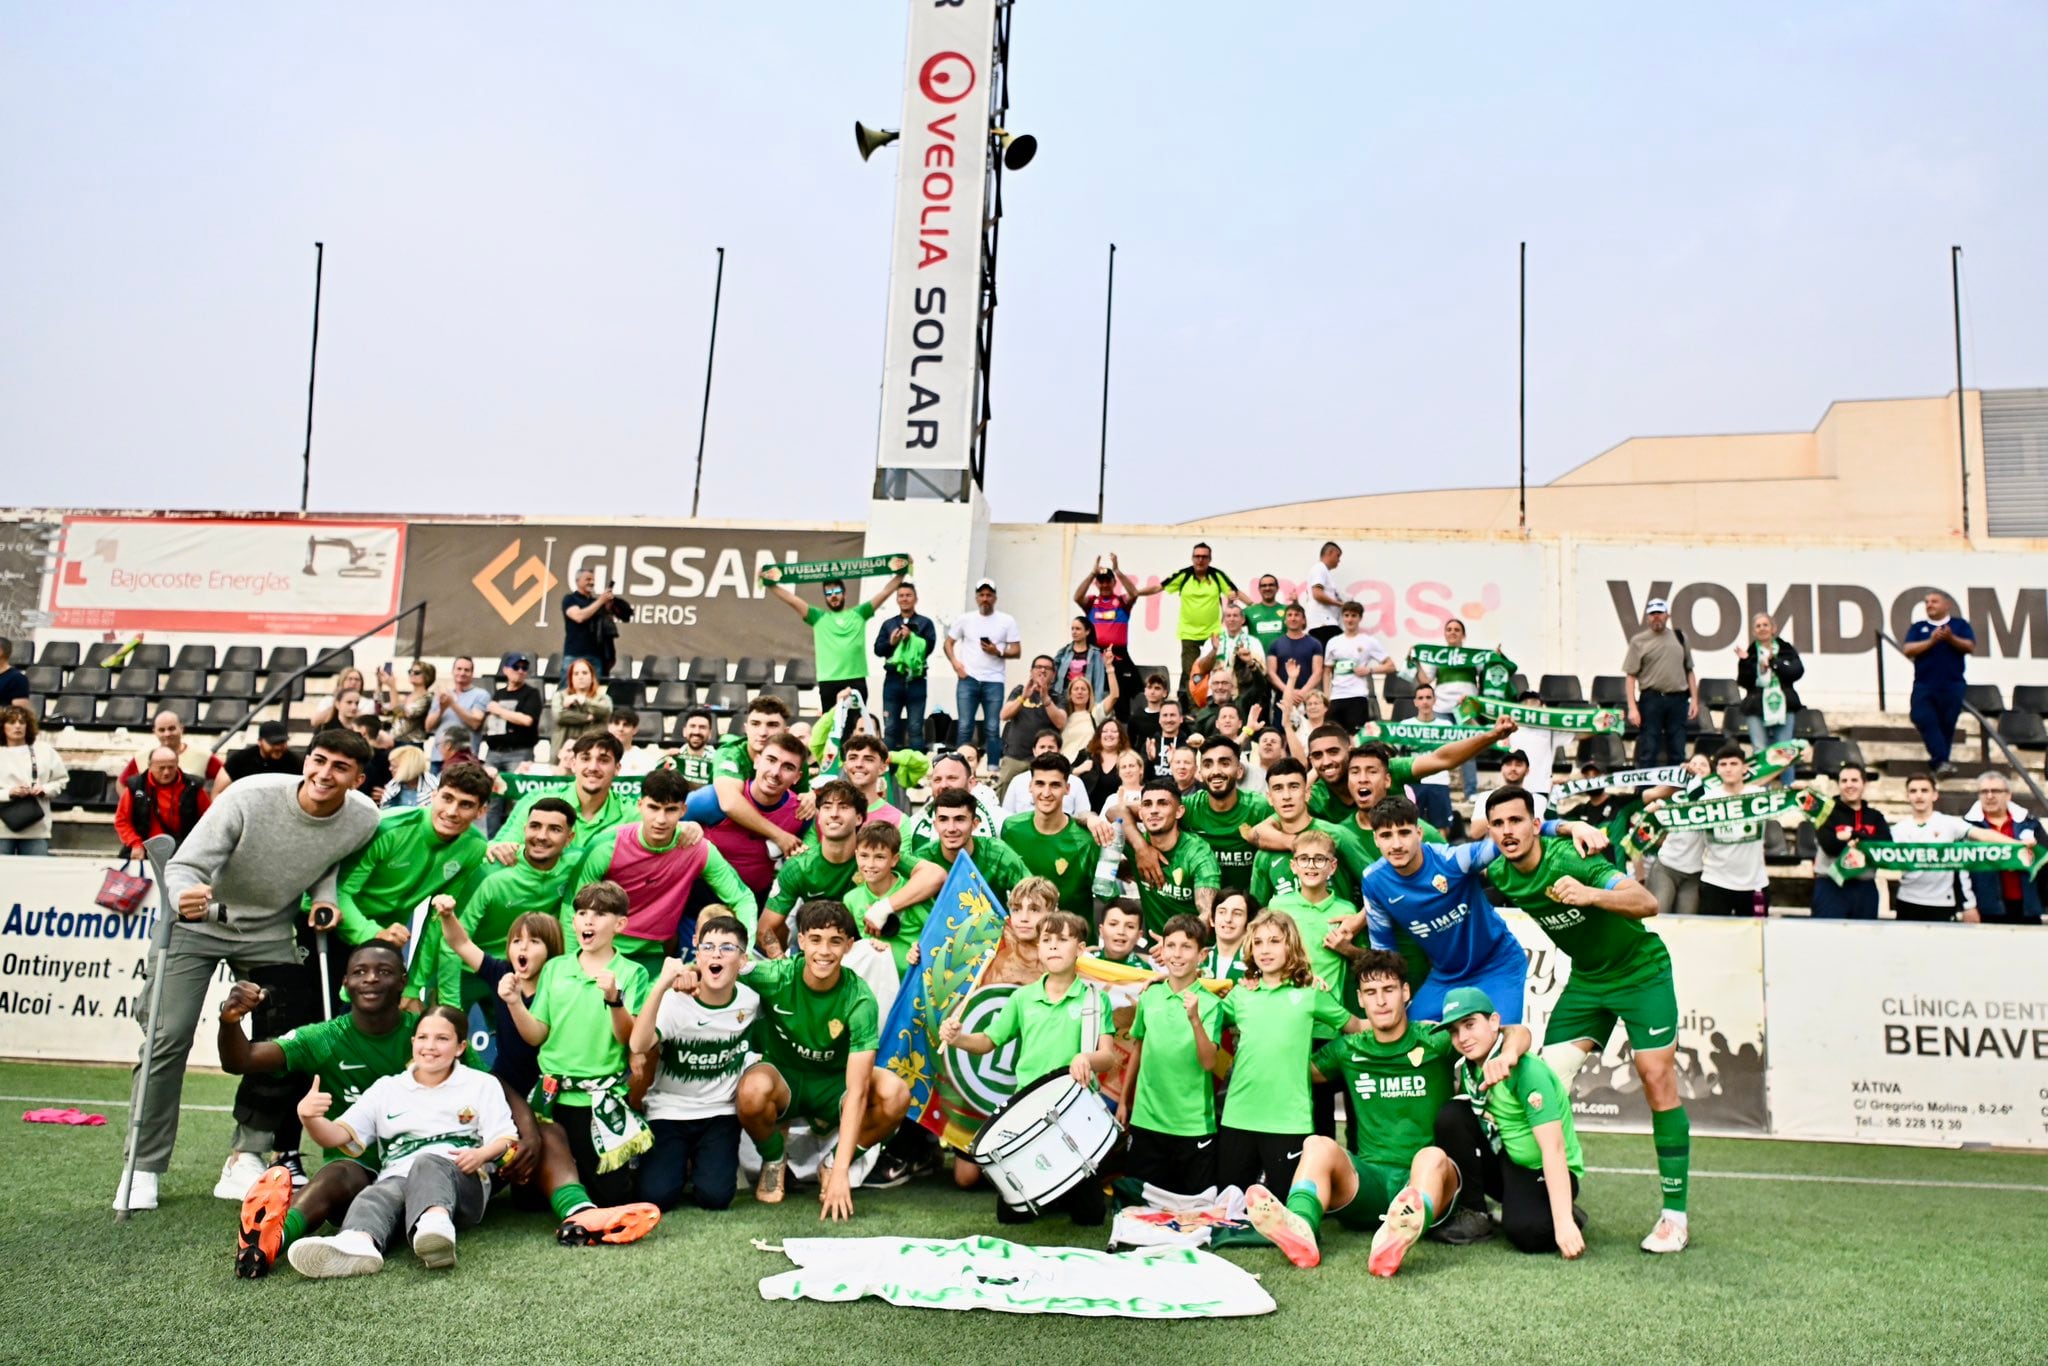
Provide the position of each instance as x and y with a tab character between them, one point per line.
1816	1269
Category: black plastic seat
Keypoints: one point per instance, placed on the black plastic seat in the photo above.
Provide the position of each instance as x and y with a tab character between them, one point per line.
1610	690
100	651
90	680
44	678
129	711
240	683
1559	690
248	657
1396	688
706	671
185	683
803	673
62	653
726	698
84	787
660	668
222	713
2023	728
781	690
74	709
1719	692
186	709
672	696
2031	697
285	660
754	672
333	662
195	657
1985	697
626	692
150	656
135	681
1811	723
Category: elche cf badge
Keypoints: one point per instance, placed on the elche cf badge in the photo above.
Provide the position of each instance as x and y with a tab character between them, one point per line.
1177	875
835	1028
1059	865
1440	883
450	869
1415	1056
465	1116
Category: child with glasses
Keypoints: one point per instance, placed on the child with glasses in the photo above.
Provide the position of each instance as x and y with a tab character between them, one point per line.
692	1105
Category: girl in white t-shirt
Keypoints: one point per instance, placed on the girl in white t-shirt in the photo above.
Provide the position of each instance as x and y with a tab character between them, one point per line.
436	1126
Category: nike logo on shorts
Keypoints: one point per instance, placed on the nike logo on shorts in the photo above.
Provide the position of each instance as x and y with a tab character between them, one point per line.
1653	1033
1296	1153
1203	1144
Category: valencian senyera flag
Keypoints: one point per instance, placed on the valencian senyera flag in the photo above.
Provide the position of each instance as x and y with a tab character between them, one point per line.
960	940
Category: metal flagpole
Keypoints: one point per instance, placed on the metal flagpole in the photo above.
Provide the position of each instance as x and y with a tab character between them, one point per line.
312	377
1108	317
704	419
1955	295
1522	396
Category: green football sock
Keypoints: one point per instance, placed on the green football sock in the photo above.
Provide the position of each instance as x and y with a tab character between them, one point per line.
770	1147
570	1198
1428	1209
1304	1201
1672	1132
294	1228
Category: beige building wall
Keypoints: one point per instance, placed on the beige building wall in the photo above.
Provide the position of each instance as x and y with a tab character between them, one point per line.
1871	470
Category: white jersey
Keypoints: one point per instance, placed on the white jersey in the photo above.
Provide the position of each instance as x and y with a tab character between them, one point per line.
701	1051
1938	886
1349	658
468	1110
1733	858
1442	779
1541	746
1321	614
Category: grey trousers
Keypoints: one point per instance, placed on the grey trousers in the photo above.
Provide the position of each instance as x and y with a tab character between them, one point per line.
1677	893
388	1210
170	1009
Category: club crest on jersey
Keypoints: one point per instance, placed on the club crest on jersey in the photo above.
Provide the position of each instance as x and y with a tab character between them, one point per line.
465	1116
835	1029
739	1017
1177	877
450	869
1059	865
1415	1056
1439	883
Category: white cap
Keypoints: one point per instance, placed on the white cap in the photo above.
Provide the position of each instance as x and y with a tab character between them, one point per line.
1656	605
989	584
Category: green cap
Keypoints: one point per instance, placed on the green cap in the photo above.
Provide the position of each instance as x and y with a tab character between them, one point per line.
1460	1002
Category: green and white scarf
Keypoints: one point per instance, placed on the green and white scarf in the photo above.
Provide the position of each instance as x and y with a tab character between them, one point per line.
1706	813
518	785
1573	720
1417	735
615	1131
1967	856
818	571
1664	775
1767	680
1773	759
1493	671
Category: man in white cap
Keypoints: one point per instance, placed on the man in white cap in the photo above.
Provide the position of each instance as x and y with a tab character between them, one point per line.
979	645
1663	689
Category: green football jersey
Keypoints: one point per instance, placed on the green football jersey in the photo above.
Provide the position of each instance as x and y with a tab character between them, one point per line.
808	1030
1067	859
1176	1095
344	1060
810	876
997	863
581	1042
1314	920
1603	946
1190	865
1396	1087
1273	869
909	920
1220	830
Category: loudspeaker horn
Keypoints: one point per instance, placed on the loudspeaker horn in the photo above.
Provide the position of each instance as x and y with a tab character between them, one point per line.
868	139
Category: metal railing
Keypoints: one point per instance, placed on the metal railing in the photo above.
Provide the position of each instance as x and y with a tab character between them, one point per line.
277	689
1987	733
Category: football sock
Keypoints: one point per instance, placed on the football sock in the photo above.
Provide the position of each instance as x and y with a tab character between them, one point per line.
1672	1132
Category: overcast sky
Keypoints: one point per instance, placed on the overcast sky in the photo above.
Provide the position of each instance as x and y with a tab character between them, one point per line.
1736	214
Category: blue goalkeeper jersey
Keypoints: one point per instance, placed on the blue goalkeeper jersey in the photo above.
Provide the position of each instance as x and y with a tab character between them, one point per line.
1443	904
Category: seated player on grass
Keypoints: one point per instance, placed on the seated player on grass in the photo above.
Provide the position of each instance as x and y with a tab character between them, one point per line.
580	1021
1529	1158
436	1126
1399	1075
1172	1134
1058	1024
1620	973
820	1031
700	1039
344	1056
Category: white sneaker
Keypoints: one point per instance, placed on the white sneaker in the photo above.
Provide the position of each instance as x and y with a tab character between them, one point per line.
433	1240
141	1193
1668	1236
348	1253
237	1174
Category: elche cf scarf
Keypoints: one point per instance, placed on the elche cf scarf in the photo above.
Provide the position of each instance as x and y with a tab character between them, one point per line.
1571	720
1664	775
1494	671
1706	813
1966	856
1416	735
818	571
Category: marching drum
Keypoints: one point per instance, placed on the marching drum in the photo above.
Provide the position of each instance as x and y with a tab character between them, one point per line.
1049	1137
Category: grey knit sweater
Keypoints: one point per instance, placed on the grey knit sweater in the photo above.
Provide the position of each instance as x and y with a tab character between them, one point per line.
261	854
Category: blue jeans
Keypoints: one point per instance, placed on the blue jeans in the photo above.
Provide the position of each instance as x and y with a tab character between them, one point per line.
973	693
30	848
1853	900
1761	735
902	711
1663	736
1936	707
704	1153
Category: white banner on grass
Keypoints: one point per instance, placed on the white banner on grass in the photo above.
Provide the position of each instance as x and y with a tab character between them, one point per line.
1890	1033
71	971
989	1273
935	257
1718	965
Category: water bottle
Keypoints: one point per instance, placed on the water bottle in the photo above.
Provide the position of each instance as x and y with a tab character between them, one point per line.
1107	887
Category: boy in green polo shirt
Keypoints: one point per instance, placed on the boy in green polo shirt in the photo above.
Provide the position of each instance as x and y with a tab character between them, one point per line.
1620	972
581	1021
1059	1025
1398	1075
1173	1111
1529	1159
1052	844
